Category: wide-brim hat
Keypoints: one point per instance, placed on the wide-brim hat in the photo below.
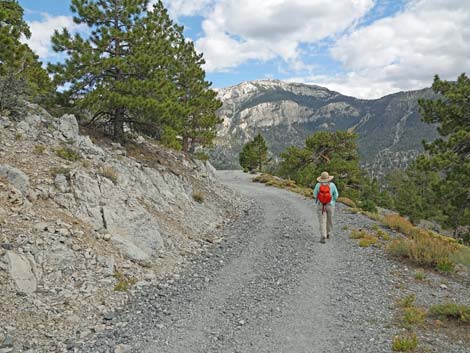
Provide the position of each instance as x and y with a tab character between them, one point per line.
325	177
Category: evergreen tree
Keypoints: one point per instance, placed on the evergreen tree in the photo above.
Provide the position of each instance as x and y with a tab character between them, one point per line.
12	27
335	152
118	73
449	156
254	154
199	119
21	73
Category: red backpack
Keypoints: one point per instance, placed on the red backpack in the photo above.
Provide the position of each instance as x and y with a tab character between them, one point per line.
324	194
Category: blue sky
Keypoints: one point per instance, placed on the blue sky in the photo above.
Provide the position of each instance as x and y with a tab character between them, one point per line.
364	48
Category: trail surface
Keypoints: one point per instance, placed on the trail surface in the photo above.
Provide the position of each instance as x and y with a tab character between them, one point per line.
270	286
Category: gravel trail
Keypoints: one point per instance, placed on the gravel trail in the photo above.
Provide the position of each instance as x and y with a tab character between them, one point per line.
269	286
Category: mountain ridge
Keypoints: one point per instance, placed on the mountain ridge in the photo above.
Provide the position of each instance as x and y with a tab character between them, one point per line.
390	128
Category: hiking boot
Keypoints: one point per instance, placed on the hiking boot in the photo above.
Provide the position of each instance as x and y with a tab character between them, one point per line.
327	236
322	240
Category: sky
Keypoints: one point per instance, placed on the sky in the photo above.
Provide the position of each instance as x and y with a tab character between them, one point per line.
361	48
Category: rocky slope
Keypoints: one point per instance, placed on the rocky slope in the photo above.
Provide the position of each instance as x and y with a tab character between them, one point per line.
82	225
390	128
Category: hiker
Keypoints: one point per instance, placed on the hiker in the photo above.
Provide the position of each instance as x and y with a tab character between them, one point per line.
325	194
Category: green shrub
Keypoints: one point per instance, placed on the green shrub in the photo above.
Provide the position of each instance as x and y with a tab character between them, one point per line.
405	343
198	196
453	311
67	153
18	136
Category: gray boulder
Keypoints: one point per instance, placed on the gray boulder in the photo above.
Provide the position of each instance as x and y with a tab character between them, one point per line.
16	177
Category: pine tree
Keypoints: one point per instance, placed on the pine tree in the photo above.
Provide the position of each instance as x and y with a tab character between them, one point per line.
21	73
199	118
118	73
254	154
449	156
335	152
12	27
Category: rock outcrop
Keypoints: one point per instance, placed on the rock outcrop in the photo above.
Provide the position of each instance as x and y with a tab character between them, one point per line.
83	225
390	129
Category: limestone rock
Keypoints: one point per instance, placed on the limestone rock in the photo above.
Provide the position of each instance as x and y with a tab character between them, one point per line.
61	183
21	270
68	126
16	177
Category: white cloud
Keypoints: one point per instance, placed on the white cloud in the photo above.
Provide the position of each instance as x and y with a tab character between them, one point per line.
179	8
237	31
405	51
42	30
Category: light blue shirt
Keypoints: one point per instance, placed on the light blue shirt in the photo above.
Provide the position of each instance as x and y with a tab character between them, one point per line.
333	191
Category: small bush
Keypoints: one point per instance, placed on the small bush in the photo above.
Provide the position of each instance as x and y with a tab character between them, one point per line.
413	316
202	156
359	234
405	343
18	136
39	149
346	201
408	301
451	311
445	265
198	196
124	283
345	228
420	275
383	235
68	154
110	173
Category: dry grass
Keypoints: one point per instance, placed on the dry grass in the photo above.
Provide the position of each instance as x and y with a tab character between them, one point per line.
110	173
462	257
398	223
39	149
270	180
198	196
424	250
368	241
346	201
